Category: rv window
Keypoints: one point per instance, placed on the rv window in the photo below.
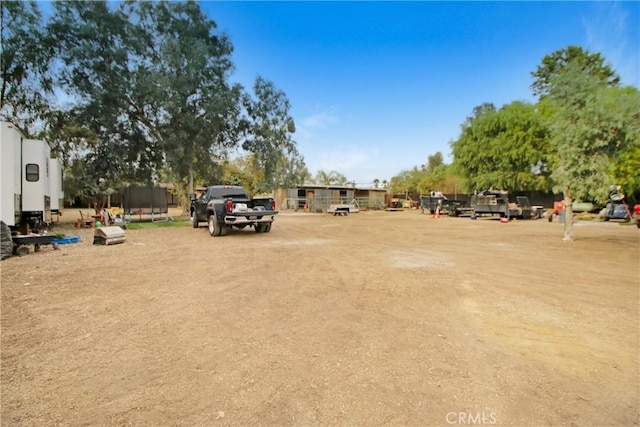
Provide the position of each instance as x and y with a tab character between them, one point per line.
32	172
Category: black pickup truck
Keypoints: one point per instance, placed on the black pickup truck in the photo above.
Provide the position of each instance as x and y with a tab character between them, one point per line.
226	206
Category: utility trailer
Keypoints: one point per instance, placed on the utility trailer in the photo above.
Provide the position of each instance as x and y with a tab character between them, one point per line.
343	209
497	202
21	243
437	202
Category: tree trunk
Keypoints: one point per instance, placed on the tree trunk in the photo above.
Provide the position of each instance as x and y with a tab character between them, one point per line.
183	199
191	189
568	216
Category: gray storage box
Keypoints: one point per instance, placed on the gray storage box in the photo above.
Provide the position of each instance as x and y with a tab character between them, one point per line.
108	235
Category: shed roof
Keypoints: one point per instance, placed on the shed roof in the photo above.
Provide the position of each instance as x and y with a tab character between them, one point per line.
337	187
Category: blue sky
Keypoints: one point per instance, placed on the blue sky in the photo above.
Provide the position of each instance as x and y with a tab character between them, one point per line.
377	87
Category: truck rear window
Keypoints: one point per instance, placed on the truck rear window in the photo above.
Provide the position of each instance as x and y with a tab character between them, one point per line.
221	193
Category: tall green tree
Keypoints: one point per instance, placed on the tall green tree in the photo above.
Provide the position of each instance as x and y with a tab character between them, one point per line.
435	175
291	169
505	148
242	171
589	63
92	70
626	169
407	182
270	130
194	111
150	81
434	161
330	178
441	178
25	60
592	124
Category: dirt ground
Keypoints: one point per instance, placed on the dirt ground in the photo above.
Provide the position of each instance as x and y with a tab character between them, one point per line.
377	318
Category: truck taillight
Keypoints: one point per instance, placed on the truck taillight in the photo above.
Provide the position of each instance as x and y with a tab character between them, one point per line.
229	206
273	205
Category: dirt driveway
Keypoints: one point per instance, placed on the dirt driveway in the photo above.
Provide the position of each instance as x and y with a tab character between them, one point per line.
378	318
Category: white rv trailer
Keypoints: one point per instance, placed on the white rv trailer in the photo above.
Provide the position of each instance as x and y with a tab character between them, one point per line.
10	172
56	192
31	180
36	188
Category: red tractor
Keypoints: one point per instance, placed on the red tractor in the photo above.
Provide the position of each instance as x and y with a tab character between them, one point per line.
636	214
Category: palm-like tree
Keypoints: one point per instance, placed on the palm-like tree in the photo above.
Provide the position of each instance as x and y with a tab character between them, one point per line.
331	178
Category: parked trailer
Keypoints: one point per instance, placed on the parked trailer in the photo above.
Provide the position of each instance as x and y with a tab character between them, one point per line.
436	202
343	209
496	202
26	188
55	189
21	243
10	171
36	188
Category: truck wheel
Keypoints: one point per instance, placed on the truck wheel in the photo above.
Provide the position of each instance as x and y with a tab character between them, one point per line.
224	229
194	220
259	228
214	227
267	228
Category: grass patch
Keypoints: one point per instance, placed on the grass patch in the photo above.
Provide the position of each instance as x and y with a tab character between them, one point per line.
158	224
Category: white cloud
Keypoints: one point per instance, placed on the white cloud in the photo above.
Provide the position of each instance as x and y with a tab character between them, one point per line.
308	126
328	144
608	33
320	120
356	163
343	160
